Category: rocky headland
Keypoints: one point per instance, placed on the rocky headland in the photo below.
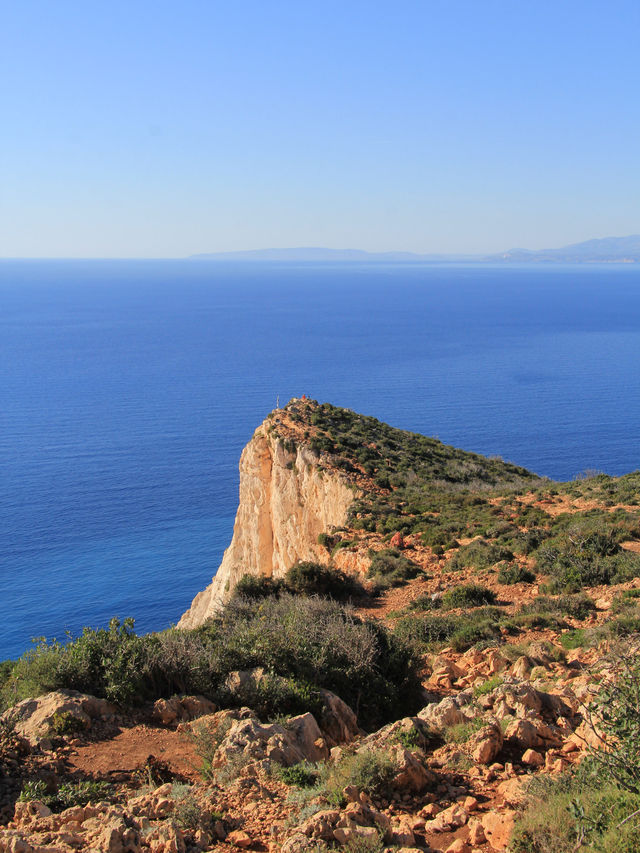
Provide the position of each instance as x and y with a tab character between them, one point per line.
406	647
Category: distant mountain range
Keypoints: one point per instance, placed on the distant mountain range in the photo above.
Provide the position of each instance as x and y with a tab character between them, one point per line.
605	250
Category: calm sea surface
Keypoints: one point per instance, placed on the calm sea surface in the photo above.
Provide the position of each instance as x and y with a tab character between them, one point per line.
128	389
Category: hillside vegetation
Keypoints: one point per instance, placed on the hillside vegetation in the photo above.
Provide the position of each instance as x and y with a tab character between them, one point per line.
482	623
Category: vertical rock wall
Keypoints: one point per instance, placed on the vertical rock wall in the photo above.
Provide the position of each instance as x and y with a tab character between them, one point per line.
285	503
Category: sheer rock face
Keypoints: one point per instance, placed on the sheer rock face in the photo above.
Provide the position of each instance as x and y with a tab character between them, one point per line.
285	503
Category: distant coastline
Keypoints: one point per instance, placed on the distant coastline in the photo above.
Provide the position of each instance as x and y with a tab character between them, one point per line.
606	250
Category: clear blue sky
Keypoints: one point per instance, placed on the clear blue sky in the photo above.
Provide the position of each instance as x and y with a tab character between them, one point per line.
157	129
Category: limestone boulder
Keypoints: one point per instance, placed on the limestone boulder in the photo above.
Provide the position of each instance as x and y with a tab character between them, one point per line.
14	842
358	821
298	843
532	734
450	711
513	791
498	828
34	719
532	758
448	819
246	737
401	742
180	709
486	744
521	669
337	720
517	698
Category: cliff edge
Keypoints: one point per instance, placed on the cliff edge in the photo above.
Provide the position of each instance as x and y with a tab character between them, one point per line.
287	498
313	469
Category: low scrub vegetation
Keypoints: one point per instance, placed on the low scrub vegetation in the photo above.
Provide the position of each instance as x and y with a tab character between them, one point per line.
303	578
512	573
66	795
391	568
428	633
596	806
479	555
586	552
371	771
303	643
469	595
578	811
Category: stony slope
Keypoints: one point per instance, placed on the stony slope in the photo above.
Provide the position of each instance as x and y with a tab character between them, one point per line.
516	597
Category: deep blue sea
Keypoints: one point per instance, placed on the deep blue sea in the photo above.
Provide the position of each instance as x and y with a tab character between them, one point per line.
128	390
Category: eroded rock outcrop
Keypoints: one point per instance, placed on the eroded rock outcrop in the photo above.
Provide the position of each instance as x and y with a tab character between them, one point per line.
286	501
34	718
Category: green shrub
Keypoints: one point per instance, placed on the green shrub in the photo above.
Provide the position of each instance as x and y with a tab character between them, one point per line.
274	696
579	810
188	812
370	771
257	586
479	555
364	844
594	807
511	573
624	600
303	775
410	739
573	639
34	789
6	668
328	540
391	568
578	606
303	578
68	794
426	602
586	554
616	715
319	643
470	595
65	723
206	735
482	627
488	685
112	663
423	634
461	732
307	578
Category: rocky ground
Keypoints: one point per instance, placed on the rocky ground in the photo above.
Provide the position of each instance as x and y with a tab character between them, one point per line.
458	766
182	775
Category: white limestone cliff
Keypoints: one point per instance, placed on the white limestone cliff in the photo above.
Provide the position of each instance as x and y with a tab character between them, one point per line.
286	501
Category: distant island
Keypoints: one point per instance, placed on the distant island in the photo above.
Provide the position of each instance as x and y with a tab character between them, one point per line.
618	250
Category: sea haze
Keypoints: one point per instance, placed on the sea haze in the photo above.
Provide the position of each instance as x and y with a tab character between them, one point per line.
130	388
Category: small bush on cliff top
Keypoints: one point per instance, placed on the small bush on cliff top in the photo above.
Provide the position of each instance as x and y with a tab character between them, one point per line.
303	578
257	586
307	578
